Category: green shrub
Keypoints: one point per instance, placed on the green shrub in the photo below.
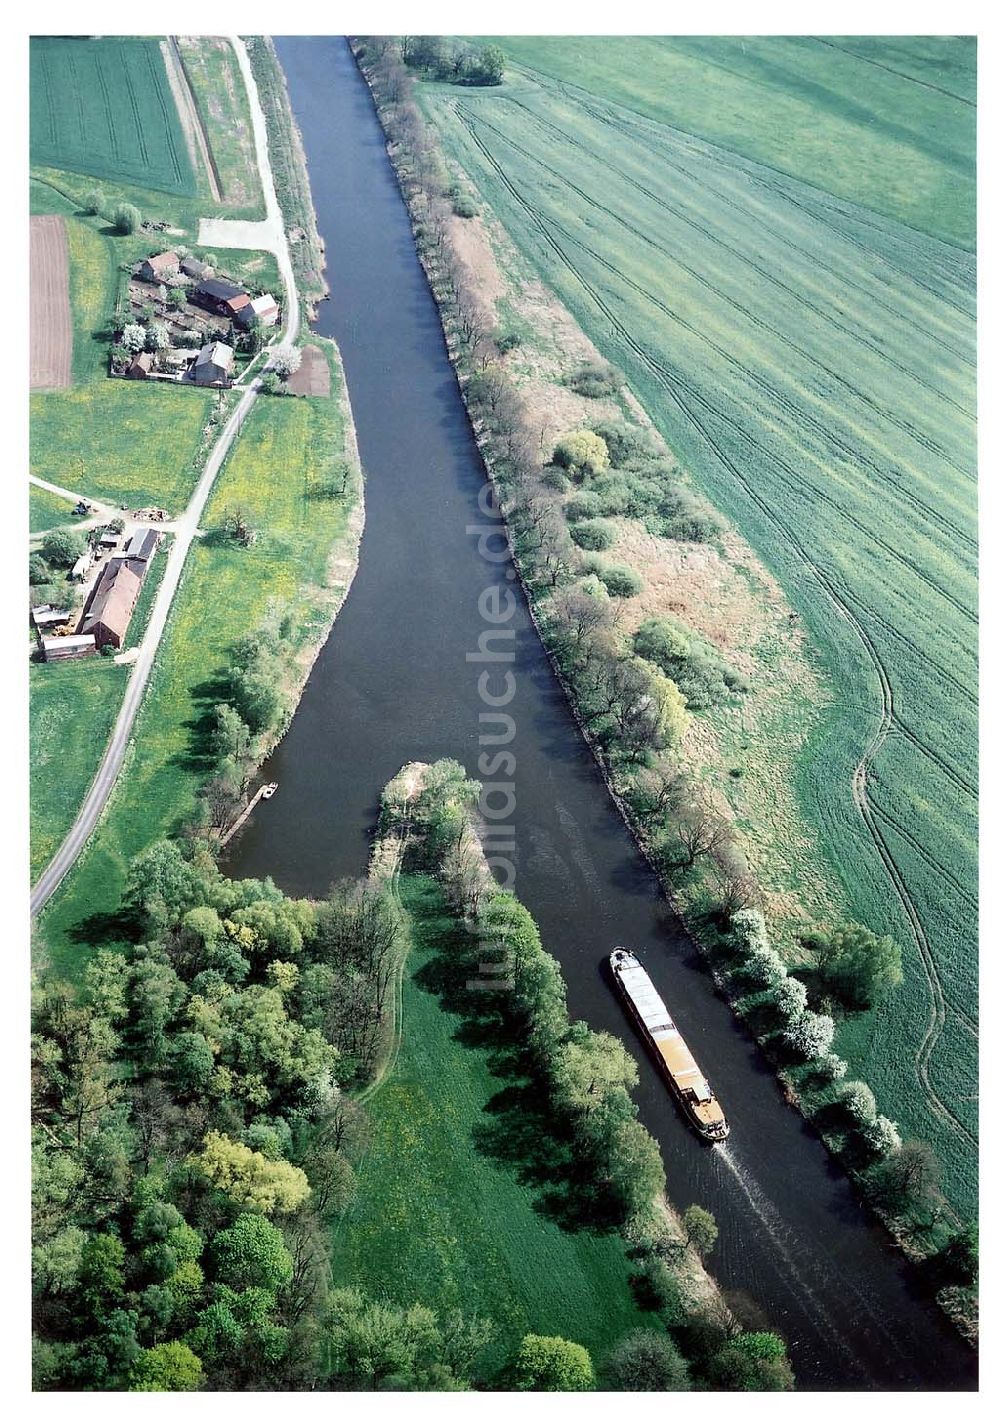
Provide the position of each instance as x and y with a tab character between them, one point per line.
38	569
552	1363
582	451
625	492
126	219
93	202
595	379
620	580
683	516
626	442
647	1360
593	534
689	660
585	505
464	206
62	547
508	341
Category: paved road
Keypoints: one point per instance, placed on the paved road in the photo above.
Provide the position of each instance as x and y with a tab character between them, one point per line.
268	234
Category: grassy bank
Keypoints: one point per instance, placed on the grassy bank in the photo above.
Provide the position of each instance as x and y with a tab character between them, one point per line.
441	1216
290	453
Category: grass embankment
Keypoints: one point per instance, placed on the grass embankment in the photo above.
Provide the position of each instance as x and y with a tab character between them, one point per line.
288	165
821	390
220	96
440	1220
64	751
282	468
887	122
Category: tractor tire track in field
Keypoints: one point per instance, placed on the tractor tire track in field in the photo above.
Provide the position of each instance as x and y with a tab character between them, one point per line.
640	130
747	213
971	790
106	100
927	855
156	84
133	103
910	78
911	646
938	1003
921	438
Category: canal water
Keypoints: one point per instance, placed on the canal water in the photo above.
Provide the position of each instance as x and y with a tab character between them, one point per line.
393	683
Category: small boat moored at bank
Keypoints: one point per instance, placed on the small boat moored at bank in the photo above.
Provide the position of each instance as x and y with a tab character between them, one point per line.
682	1074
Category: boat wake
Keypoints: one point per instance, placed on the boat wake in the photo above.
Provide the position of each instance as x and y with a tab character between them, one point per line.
791	1252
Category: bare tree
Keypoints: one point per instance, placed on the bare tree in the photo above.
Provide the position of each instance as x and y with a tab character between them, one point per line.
699	831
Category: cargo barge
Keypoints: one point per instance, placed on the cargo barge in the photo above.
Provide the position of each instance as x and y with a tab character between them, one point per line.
683	1075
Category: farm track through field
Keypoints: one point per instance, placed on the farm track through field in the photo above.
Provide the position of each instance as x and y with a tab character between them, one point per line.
938	1003
821	429
650	132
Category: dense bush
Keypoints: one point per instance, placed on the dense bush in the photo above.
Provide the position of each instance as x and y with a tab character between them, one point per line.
584	505
647	1360
463	205
581	452
595	379
507	342
857	966
62	547
593	534
626	442
682	515
620	580
126	219
552	1363
696	666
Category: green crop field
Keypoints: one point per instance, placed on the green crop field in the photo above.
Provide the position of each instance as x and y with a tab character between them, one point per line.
811	358
46	510
64	755
283	465
437	1220
104	107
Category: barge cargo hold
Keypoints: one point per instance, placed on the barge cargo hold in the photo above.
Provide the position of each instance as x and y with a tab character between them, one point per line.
682	1073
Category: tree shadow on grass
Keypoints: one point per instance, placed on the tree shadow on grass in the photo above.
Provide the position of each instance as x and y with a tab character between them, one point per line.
199	755
520	1131
121	927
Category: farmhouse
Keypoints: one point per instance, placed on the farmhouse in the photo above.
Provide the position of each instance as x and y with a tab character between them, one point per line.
63	648
159	267
112	604
213	364
261	310
221	296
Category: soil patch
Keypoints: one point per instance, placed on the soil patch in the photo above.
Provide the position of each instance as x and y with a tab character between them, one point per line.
51	338
312	379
